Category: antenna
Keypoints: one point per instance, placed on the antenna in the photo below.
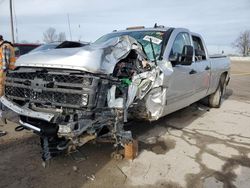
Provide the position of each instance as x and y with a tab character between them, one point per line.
11	23
14	8
69	27
79	38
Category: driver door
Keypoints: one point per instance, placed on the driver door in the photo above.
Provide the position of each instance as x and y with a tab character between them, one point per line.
180	90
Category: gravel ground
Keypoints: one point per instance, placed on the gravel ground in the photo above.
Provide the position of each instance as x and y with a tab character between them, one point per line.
194	147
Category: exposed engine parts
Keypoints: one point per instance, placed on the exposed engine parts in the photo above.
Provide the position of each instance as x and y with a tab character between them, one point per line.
133	64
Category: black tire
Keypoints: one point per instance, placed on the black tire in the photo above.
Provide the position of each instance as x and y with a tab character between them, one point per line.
215	99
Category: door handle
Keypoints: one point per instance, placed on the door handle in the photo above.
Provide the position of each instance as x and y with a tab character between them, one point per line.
192	72
207	68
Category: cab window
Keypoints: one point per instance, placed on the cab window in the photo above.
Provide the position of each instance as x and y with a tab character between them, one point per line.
198	49
181	40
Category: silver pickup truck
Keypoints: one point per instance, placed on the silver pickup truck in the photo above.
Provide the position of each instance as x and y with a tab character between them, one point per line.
73	95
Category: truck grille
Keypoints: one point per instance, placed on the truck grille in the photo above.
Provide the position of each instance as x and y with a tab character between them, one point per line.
52	88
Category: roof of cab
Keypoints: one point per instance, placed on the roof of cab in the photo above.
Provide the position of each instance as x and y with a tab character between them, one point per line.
142	28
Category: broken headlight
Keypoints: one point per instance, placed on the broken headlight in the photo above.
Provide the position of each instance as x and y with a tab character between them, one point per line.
85	99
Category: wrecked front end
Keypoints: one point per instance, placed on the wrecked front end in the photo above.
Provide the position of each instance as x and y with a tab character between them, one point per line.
68	107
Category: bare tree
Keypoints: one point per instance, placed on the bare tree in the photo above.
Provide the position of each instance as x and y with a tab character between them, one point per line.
61	36
242	43
50	35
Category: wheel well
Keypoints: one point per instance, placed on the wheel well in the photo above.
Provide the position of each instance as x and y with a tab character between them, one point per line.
223	77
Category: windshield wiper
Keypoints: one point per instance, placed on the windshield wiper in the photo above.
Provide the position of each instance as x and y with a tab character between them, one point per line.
153	51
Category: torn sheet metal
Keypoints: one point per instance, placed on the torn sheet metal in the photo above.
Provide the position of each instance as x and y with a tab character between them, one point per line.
156	100
140	85
150	85
112	101
93	58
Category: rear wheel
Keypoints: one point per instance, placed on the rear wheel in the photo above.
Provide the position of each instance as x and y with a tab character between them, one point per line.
215	99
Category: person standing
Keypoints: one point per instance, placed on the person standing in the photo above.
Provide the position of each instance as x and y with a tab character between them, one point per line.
7	62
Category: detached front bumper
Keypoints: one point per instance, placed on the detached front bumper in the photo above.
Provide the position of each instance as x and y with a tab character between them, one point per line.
25	111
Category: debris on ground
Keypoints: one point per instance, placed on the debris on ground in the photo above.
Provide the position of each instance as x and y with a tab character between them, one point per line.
3	133
75	168
92	177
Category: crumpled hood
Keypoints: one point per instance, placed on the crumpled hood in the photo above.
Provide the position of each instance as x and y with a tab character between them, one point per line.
100	58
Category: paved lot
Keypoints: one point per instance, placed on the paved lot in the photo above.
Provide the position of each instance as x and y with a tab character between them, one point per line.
194	147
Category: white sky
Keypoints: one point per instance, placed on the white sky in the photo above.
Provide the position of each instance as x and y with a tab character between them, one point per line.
219	21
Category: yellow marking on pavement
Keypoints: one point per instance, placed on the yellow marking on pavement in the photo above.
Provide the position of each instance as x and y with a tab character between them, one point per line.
241	74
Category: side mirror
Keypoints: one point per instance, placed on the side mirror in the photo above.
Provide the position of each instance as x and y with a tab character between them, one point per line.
175	59
187	55
185	58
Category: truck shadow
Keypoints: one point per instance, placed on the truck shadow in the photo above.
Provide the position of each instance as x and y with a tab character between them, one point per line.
178	120
149	134
228	94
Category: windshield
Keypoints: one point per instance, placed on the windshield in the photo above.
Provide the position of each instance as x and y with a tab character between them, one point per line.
143	37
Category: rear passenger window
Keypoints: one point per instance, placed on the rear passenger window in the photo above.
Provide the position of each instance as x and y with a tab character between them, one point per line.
199	49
